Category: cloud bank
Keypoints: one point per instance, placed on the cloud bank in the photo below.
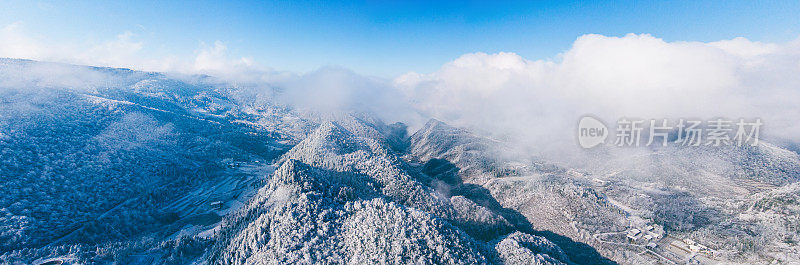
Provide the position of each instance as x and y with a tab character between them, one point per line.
539	102
534	102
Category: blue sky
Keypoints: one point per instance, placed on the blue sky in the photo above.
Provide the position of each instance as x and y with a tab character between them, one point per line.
388	38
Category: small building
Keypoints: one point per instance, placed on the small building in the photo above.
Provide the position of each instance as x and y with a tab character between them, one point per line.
634	234
649	228
651	245
216	205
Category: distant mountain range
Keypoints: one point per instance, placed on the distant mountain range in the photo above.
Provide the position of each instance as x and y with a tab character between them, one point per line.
103	165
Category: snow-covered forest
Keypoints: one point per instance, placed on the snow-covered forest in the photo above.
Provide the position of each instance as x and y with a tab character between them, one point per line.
127	167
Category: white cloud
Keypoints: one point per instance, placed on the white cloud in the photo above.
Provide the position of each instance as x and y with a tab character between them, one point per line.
215	60
127	51
119	51
539	102
14	43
